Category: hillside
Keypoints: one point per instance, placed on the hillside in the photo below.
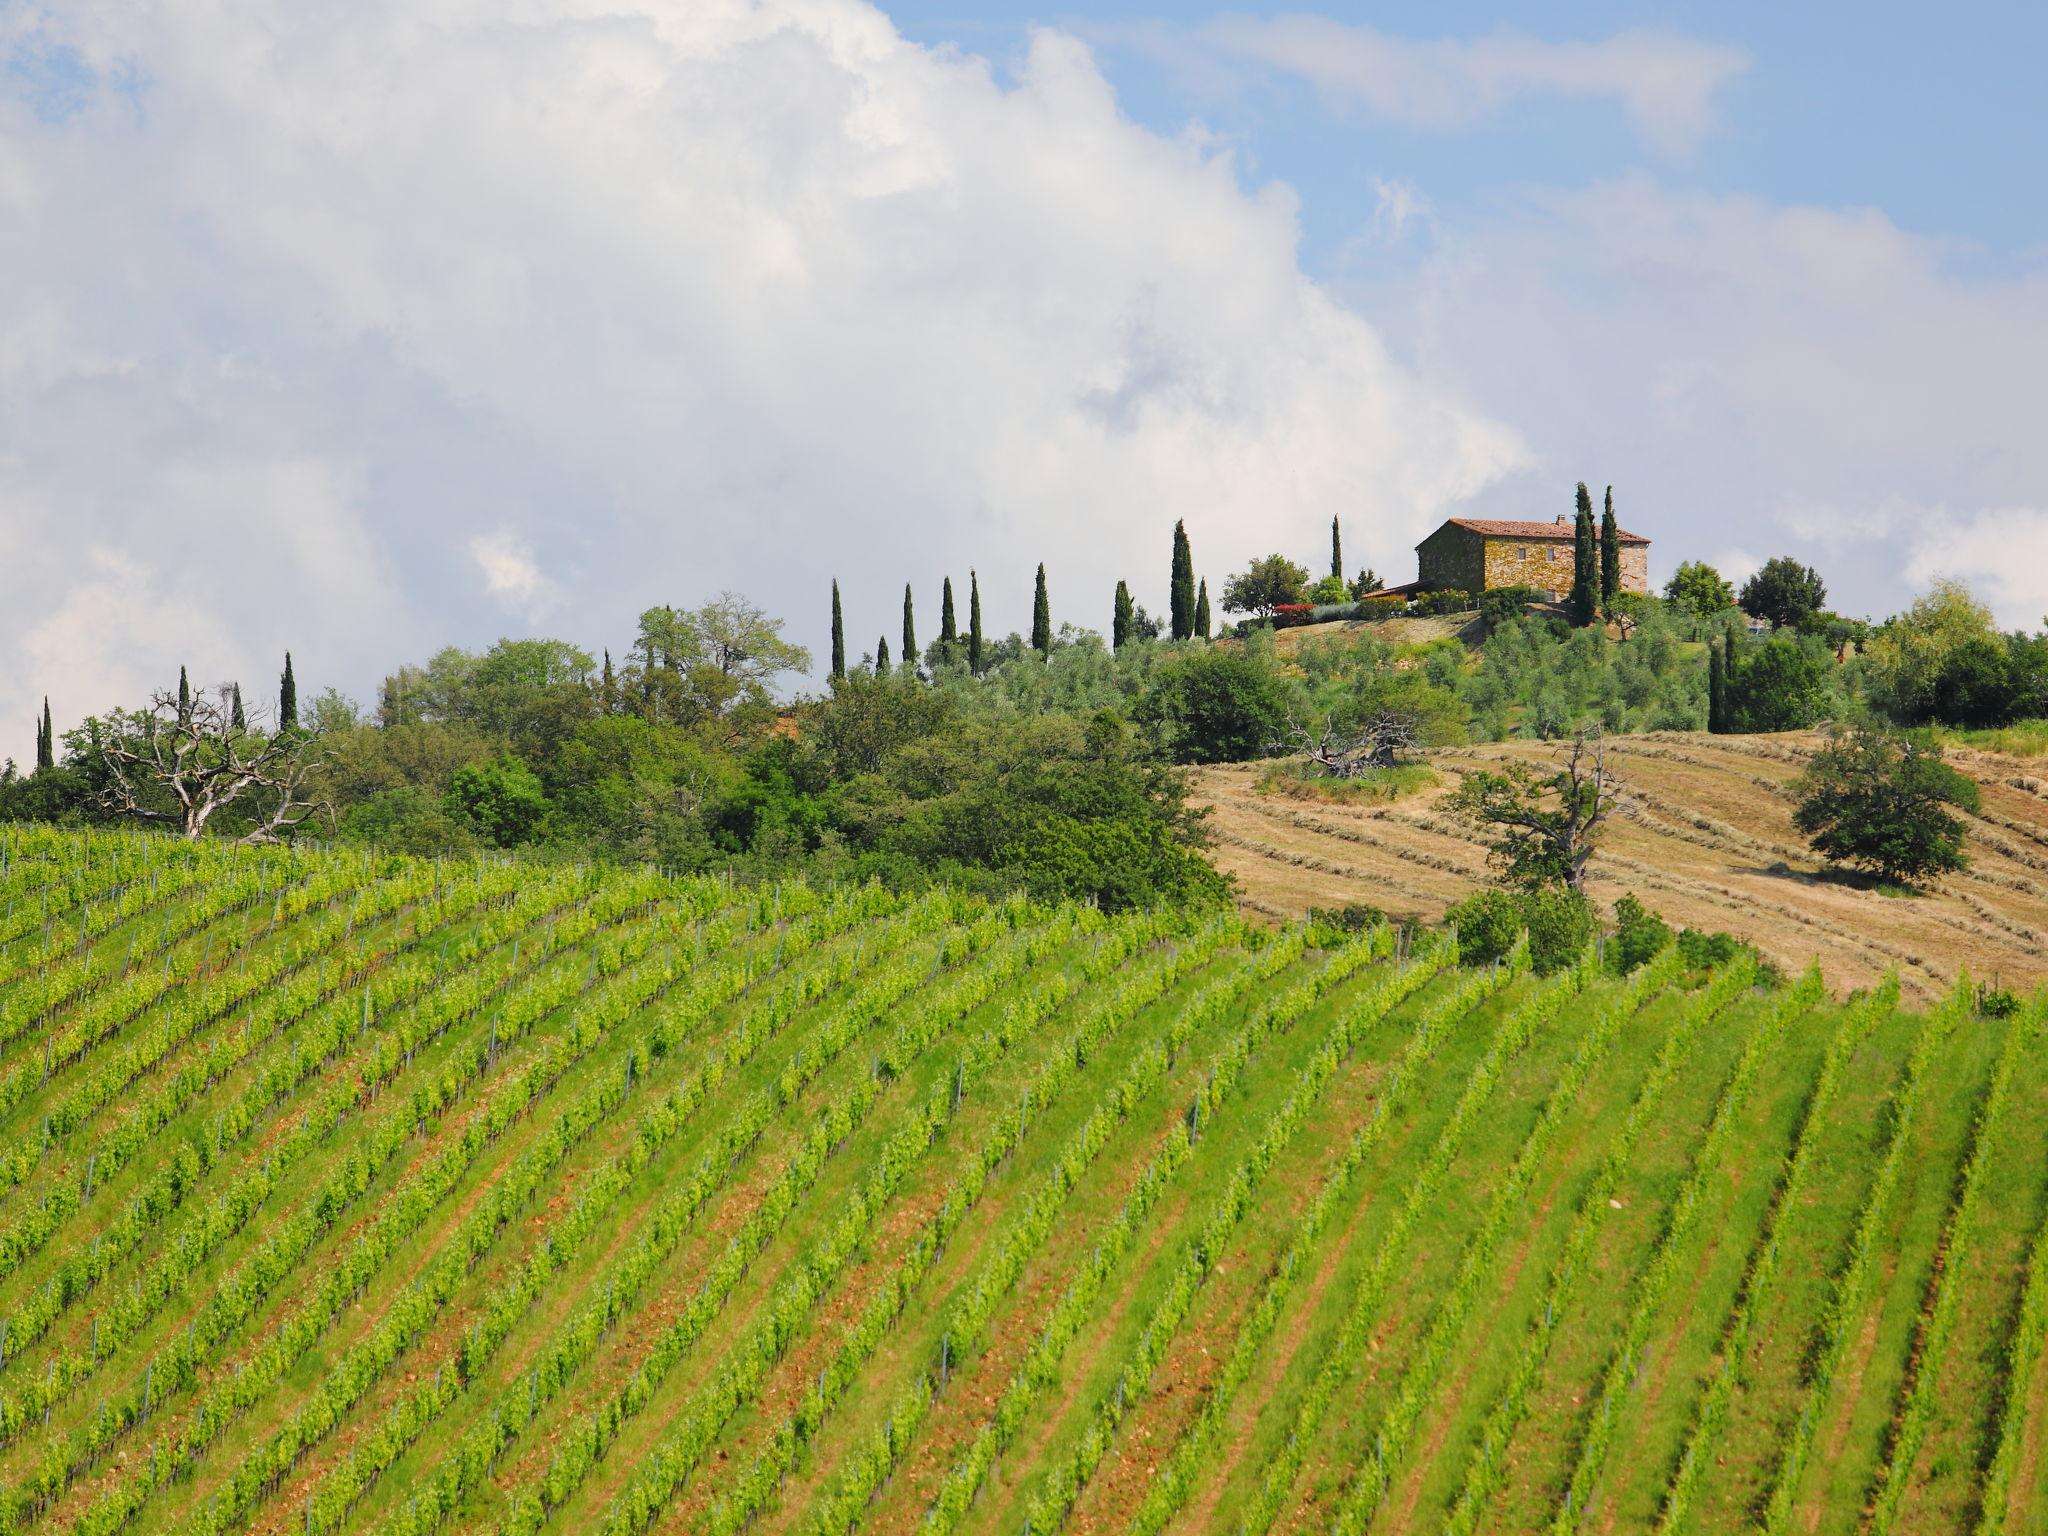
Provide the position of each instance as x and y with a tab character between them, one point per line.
1708	841
398	1196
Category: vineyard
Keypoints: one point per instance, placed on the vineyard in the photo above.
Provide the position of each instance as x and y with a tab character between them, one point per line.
366	1194
1706	838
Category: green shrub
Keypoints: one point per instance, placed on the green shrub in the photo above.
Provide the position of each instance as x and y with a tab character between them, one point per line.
1500	604
1704	950
1561	923
1640	936
1487	924
1448	601
1997	1002
1382	608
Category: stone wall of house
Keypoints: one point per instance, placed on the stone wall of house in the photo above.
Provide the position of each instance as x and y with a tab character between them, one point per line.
1451	559
1458	558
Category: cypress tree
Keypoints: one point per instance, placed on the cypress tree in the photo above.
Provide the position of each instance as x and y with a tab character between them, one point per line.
1041	616
1201	622
1121	617
1610	555
949	631
838	634
882	657
1584	601
909	631
610	697
236	719
1182	599
184	698
973	623
287	699
46	740
1336	551
1717	687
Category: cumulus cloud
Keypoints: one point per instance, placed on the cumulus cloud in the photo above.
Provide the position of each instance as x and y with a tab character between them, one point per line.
1665	81
1776	380
317	313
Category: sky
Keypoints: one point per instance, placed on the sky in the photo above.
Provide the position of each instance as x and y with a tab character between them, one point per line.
363	330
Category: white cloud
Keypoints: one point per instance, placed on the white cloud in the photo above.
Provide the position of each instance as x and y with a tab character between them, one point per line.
1667	82
508	566
651	299
1776	380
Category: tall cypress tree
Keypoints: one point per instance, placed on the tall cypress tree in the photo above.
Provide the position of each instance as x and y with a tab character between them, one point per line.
838	633
1041	616
909	631
973	623
236	719
949	631
1336	551
1182	593
1610	555
1121	617
1717	685
46	740
1201	623
882	657
184	698
287	698
609	698
1584	601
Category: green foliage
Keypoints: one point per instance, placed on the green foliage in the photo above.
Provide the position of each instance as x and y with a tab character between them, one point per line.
949	629
1488	924
1500	605
1697	588
1216	706
1640	936
1582	604
1041	616
910	650
1264	585
1998	1002
502	800
1784	592
1331	589
1336	560
1122	617
1448	600
1784	683
1202	620
974	635
287	698
1884	803
1181	587
1944	661
1542	825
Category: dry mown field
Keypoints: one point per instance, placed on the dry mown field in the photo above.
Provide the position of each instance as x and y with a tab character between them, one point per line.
1709	843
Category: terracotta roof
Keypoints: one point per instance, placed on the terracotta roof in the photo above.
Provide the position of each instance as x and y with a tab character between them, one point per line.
1501	529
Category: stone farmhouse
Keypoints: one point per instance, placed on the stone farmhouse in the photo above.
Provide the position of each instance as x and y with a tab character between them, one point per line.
1471	554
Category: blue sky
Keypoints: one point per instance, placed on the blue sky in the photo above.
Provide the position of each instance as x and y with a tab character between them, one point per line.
1934	114
362	330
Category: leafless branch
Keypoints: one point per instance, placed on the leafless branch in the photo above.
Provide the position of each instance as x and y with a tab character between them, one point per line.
180	767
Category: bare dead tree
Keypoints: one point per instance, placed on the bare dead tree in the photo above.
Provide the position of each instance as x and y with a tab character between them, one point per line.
179	768
1544	825
1346	752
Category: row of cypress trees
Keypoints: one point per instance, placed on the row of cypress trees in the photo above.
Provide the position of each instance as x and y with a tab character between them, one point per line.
1189	616
1596	561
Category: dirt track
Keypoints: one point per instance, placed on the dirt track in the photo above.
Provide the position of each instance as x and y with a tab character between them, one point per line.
1708	842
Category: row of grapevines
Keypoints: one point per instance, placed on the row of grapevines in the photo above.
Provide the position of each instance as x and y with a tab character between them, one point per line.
1065	1481
742	1497
1487	1461
105	907
1836	1331
1917	1411
559	1244
64	970
401	1212
626	1282
1040	1365
1360	1499
2023	1354
1168	1491
433	1003
748	1365
178	1008
284	1002
71	881
1851	1031
1369	1291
